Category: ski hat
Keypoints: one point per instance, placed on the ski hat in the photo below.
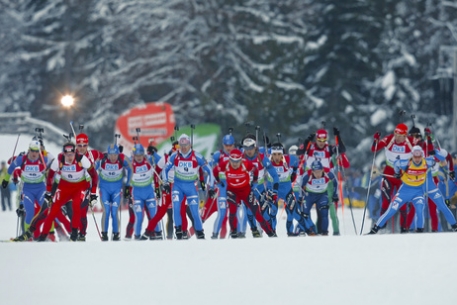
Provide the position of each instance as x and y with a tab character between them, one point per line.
228	140
277	148
293	150
401	129
113	149
138	149
34	145
69	147
417	151
184	140
321	135
454	155
316	165
248	143
82	138
235	155
414	130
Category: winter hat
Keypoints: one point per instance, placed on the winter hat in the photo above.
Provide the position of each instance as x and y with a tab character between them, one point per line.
401	129
321	135
82	138
228	140
184	140
236	155
34	145
414	130
293	150
417	151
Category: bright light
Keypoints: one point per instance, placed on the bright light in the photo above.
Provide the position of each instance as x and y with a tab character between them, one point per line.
67	101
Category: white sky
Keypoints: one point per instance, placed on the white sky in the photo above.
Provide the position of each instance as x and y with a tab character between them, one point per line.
382	269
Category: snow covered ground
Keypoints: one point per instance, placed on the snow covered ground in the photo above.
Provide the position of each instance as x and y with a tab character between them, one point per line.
348	269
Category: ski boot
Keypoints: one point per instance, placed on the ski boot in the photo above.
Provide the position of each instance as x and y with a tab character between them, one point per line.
233	234
81	237
214	236
74	235
255	233
116	237
178	232
200	234
104	236
374	230
24	237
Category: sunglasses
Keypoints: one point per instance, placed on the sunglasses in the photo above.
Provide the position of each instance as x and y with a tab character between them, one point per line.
321	140
34	150
82	145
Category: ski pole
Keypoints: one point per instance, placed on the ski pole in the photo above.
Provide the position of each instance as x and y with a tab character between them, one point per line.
192	127
342	178
96	224
15	146
369	186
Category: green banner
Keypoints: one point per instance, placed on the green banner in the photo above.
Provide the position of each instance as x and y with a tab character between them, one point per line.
205	138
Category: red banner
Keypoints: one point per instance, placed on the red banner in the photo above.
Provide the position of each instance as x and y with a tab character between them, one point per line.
156	122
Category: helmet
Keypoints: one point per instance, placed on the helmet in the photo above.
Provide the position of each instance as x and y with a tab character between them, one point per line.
34	145
184	140
321	135
138	149
228	140
236	155
417	151
401	129
248	143
82	138
113	149
293	149
69	147
316	165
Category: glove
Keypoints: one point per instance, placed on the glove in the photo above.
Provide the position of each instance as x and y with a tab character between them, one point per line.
448	203
310	138
93	200
293	177
203	185
48	198
20	211
431	153
166	188
157	191
127	192
15	180
152	150
272	196
377	136
335	198
452	175
427	131
121	148
212	193
4	184
336	131
397	175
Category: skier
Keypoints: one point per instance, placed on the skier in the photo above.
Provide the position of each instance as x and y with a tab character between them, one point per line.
315	184
111	169
397	145
265	196
82	144
237	176
413	186
32	166
287	172
186	163
220	157
142	188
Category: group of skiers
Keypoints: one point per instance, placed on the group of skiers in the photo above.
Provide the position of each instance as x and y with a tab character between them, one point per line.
245	183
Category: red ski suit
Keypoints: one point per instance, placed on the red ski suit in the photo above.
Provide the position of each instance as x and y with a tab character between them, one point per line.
239	190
